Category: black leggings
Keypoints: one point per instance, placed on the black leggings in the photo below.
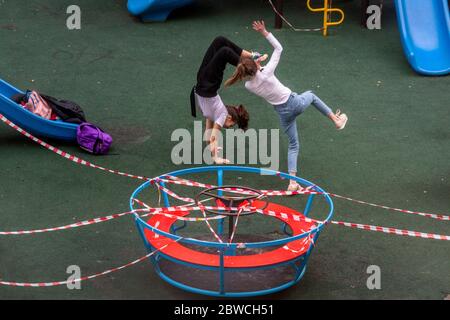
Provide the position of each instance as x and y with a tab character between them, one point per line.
210	74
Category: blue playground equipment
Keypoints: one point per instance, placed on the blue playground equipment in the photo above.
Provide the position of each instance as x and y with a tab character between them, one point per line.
249	266
30	122
425	33
155	10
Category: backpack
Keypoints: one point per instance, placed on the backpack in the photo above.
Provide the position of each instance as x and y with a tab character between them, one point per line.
93	139
37	105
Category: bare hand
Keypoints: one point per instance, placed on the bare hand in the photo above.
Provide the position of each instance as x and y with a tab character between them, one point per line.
259	26
219	160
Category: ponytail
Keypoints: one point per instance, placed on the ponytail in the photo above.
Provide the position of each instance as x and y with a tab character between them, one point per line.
246	67
238	75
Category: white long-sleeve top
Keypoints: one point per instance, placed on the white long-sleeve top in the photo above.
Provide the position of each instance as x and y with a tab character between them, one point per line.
265	84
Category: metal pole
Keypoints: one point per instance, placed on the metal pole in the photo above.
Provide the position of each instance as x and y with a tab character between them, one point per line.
220	193
278	21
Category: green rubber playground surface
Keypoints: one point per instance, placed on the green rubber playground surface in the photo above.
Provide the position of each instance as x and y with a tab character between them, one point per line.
134	79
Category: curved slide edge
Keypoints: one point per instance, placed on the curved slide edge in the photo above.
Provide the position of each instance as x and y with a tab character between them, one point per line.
155	10
424	28
30	122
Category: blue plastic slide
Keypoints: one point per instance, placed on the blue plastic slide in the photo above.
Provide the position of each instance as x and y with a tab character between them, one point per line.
30	122
424	27
155	10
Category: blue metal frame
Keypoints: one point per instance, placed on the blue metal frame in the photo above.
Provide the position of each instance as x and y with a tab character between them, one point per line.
229	249
220	193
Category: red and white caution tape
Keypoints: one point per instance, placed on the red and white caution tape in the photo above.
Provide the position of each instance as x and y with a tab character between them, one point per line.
424	214
190	183
306	190
235	226
165	211
395	231
285	215
197	184
72	281
305	242
347	224
211	229
389	230
72	225
173	194
65	154
185	182
161	212
357	225
295	217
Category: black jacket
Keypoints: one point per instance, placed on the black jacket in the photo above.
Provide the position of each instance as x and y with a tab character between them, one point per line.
68	111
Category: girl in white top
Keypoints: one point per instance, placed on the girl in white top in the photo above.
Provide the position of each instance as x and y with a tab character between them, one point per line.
219	54
286	103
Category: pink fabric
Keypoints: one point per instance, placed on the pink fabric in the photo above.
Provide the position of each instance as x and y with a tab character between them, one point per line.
38	106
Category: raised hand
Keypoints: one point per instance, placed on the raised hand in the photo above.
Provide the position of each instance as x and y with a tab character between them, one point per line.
259	26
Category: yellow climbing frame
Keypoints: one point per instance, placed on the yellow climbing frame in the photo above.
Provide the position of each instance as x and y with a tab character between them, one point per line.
327	10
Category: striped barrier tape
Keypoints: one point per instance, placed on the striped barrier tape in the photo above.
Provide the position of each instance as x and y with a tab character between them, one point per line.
161	212
66	282
230	241
395	231
66	155
210	228
306	190
268	192
69	226
388	230
190	183
151	211
197	184
285	215
347	224
305	242
173	194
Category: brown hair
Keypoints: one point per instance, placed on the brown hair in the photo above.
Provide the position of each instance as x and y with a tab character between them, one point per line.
239	115
246	67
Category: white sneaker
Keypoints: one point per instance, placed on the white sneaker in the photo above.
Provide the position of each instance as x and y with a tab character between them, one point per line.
342	120
293	186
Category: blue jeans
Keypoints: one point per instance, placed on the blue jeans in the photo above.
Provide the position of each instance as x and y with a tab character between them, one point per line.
288	112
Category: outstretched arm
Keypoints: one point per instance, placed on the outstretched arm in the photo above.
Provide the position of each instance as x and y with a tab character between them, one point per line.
211	135
260	27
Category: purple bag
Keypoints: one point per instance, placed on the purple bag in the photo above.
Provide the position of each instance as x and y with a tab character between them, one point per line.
93	139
